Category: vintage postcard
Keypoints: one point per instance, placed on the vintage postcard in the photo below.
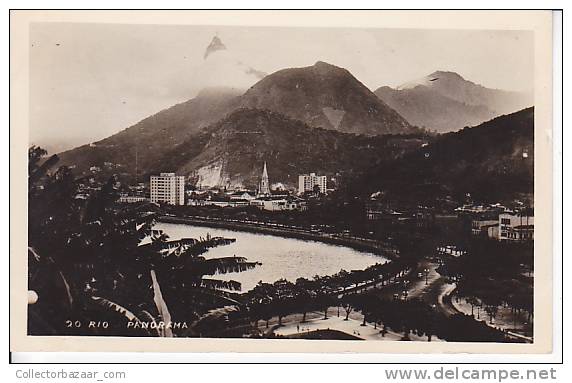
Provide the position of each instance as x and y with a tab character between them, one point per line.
297	181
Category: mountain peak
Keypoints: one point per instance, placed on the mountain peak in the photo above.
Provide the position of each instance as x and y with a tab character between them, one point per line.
445	74
445	101
215	45
323	64
324	67
327	96
434	78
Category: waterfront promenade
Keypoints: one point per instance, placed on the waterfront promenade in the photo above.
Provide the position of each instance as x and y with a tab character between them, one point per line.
353	326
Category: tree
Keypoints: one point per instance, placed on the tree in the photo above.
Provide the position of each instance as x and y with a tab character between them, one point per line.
305	296
357	277
491	310
259	301
366	303
186	274
284	298
81	250
50	207
473	301
463	328
347	302
342	279
324	298
316	189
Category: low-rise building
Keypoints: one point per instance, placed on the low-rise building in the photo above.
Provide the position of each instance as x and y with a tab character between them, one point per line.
516	227
493	231
220	202
424	218
451	250
131	199
521	233
242	195
279	204
481	227
505	226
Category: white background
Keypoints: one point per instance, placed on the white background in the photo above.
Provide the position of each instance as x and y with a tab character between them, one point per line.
288	373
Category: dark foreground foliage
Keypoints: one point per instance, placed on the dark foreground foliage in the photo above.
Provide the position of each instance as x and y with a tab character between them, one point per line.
98	268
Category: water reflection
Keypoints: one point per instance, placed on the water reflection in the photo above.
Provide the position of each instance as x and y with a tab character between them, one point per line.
281	257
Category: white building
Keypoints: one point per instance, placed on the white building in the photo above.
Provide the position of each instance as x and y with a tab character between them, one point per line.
242	195
515	227
219	203
168	188
278	204
306	182
131	199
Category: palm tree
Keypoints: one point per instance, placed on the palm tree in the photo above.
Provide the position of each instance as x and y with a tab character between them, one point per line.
186	273
51	206
79	251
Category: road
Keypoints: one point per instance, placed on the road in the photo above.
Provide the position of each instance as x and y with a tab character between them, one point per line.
431	288
434	289
428	286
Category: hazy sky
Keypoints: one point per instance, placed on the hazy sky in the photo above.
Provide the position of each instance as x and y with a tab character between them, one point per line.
88	81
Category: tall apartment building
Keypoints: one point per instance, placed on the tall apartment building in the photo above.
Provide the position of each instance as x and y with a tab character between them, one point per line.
168	188
306	182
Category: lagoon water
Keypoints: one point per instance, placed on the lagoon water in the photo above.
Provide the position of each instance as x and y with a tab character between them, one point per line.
280	257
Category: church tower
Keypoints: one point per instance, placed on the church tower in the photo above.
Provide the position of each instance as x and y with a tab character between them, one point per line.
264	186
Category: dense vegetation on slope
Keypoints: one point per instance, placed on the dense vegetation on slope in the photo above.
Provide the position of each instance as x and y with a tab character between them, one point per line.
492	161
247	138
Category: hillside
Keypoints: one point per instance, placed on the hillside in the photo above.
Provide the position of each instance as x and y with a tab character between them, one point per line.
424	107
232	152
147	141
487	161
319	96
445	101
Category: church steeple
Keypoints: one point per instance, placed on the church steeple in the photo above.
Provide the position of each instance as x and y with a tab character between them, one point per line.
265	172
264	186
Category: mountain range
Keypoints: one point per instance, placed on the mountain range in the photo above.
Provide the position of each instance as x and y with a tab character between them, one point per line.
445	101
319	96
318	118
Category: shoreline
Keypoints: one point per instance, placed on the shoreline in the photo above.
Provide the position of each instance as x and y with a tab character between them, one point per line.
371	246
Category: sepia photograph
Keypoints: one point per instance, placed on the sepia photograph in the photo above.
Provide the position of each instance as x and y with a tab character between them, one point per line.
281	183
